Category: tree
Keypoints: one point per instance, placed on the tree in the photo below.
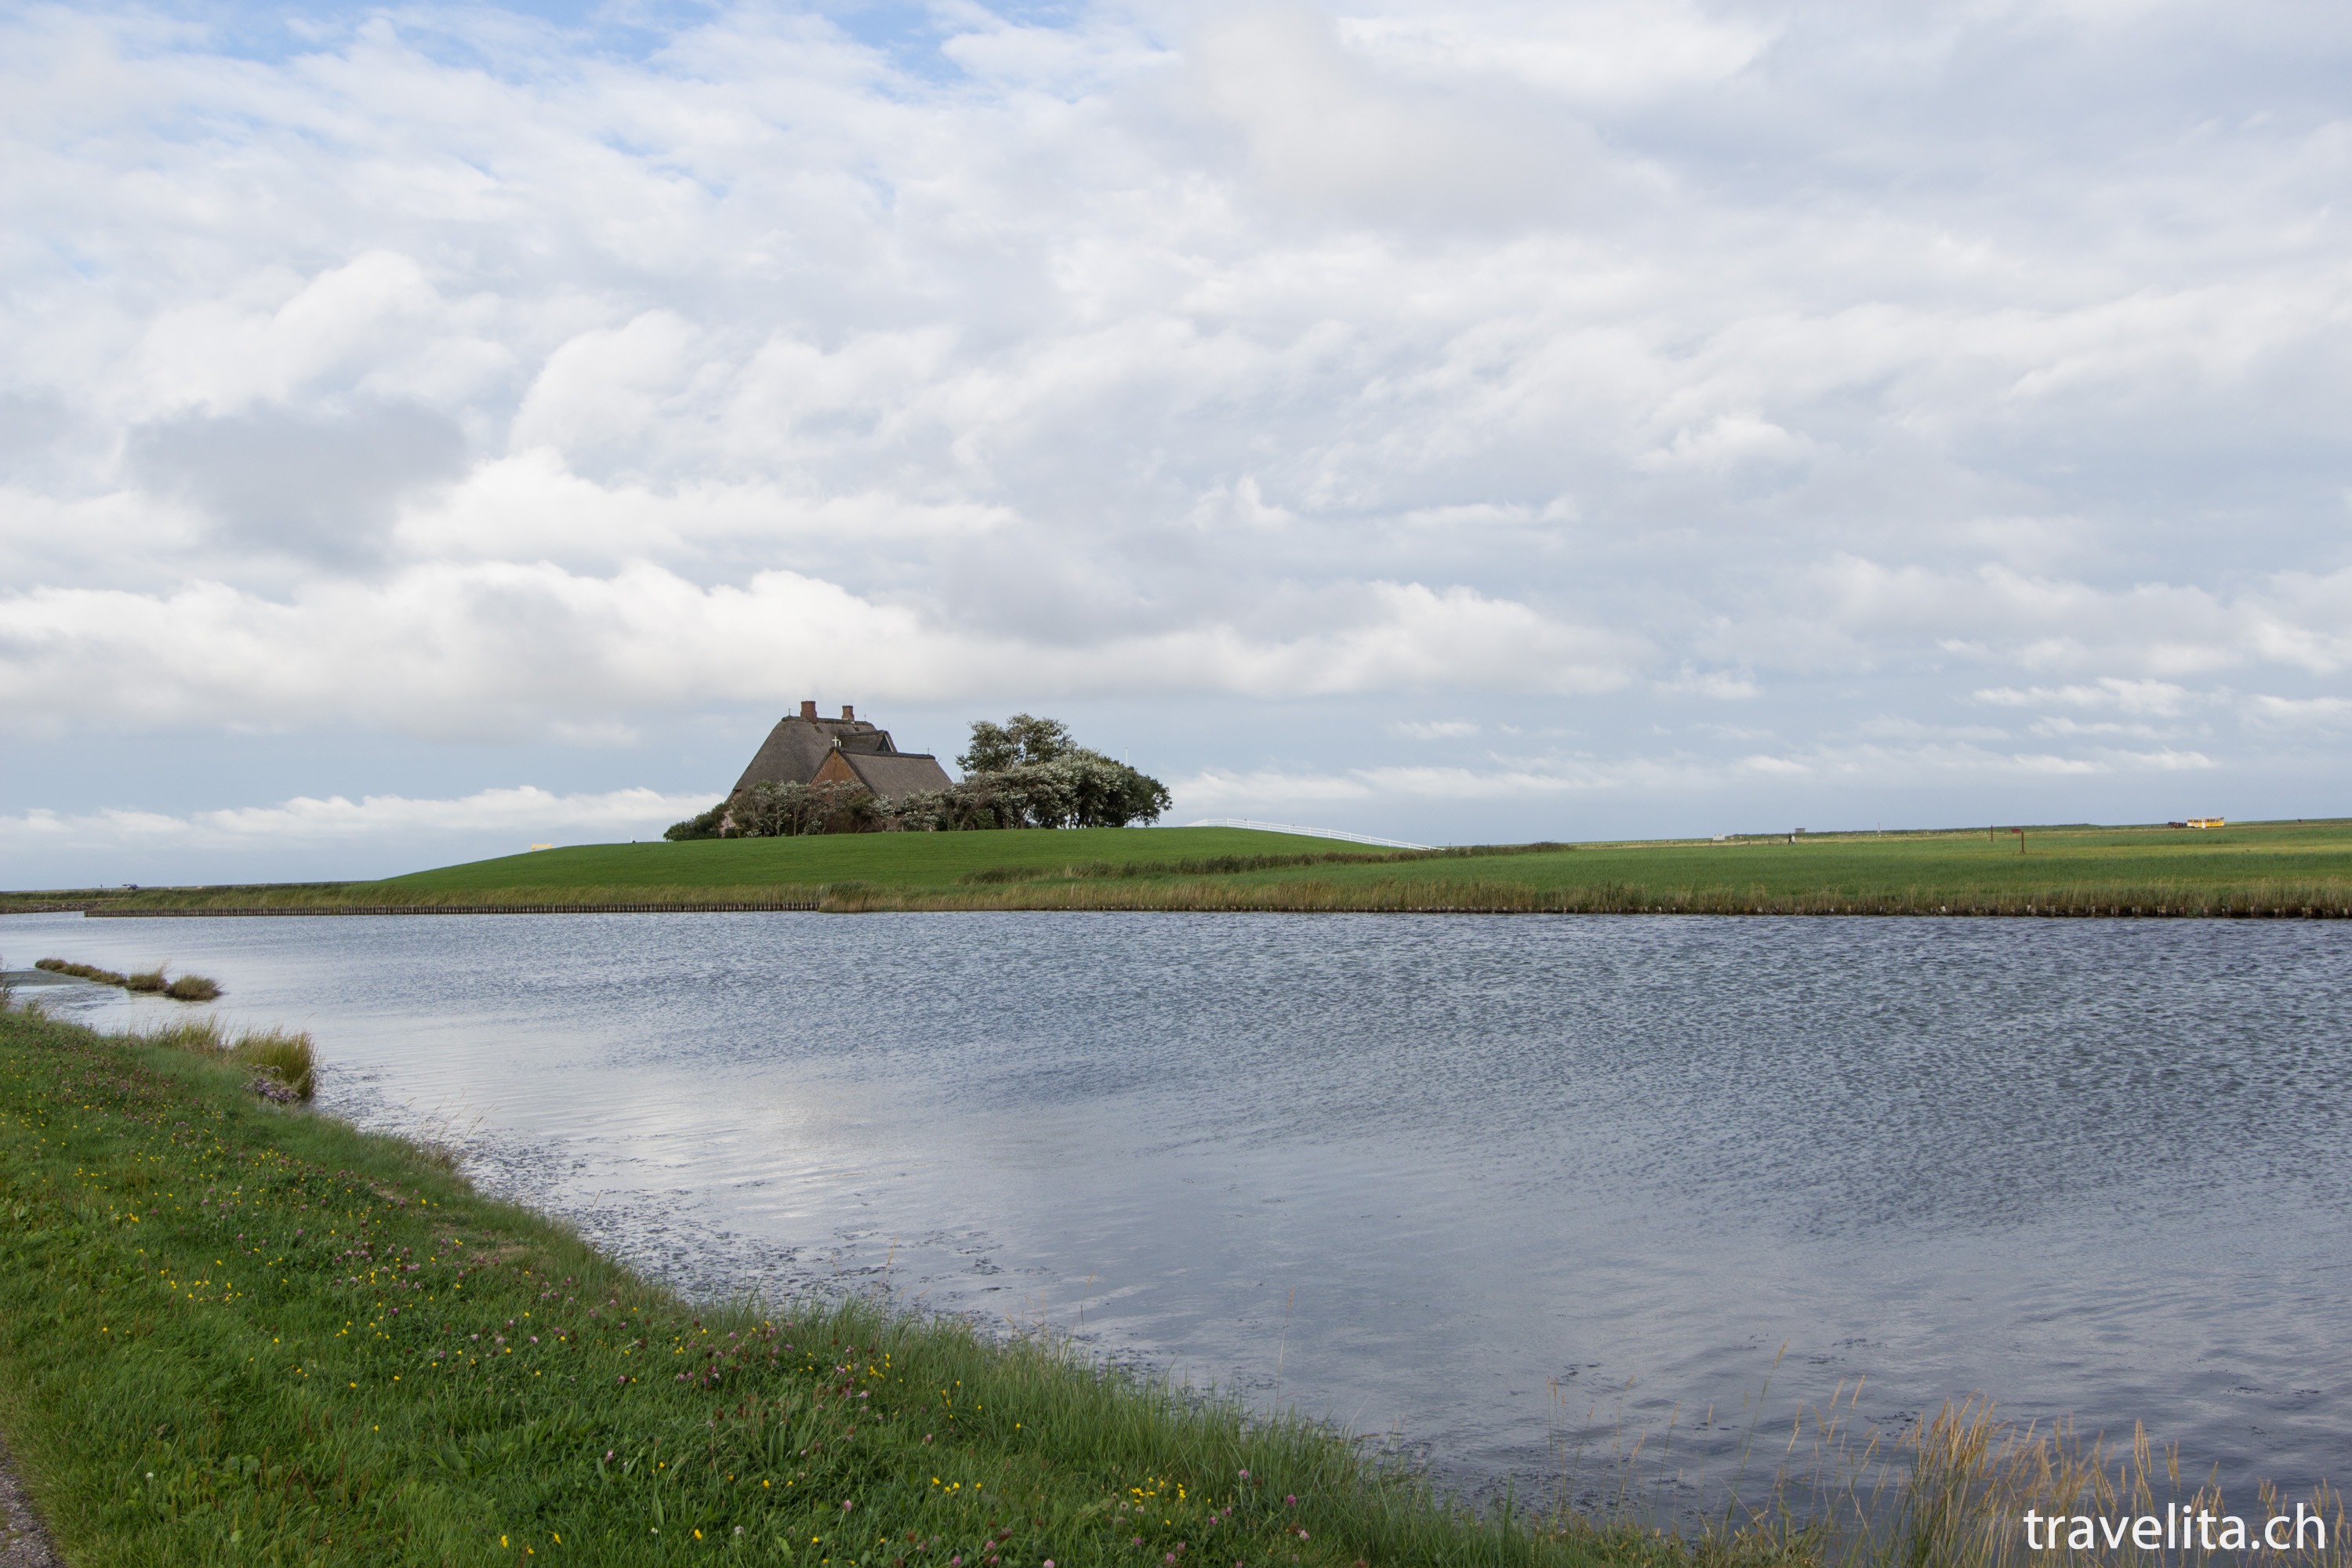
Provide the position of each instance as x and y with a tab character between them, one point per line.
703	827
769	810
1029	773
1023	738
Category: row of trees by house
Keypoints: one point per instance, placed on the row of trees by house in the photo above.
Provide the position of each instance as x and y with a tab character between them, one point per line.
1025	772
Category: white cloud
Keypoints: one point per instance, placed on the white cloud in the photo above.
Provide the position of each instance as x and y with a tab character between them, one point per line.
1726	441
1845	766
446	650
525	812
1779	767
1326	127
468	649
1723	685
2166	759
375	322
1471	784
608	387
2158	698
1216	789
2300	713
1891	727
467	377
1614	52
2064	729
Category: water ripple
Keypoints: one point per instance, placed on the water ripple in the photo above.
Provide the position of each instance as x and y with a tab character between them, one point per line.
1435	1170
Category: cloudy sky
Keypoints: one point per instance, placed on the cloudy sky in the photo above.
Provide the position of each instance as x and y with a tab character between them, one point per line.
425	431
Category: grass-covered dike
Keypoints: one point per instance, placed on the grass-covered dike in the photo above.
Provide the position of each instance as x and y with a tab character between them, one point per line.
2269	869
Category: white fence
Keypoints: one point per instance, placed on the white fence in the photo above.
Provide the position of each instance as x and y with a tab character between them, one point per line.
1309	832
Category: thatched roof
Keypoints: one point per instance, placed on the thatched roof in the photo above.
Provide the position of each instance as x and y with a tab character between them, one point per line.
896	773
798	746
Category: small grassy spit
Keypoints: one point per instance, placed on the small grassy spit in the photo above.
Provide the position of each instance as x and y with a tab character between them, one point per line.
184	988
237	1331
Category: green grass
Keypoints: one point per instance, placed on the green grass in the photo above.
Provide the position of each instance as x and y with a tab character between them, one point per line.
883	859
233	1331
289	1055
2253	868
59	899
82	971
184	988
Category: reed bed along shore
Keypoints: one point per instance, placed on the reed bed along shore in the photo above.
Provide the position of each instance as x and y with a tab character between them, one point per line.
1963	1486
1085	887
279	1065
232	1330
1970	1480
2254	900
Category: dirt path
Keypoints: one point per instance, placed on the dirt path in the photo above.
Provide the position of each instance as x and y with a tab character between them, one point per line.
23	1542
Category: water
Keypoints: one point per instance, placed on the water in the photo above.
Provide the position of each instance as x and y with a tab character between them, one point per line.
1484	1185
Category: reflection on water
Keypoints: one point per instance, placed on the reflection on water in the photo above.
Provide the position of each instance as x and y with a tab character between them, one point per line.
1435	1168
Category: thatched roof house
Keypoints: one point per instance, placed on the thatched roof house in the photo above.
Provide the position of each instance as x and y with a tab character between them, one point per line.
805	749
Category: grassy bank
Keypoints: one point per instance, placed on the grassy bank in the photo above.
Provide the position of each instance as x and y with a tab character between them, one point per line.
2266	870
233	1330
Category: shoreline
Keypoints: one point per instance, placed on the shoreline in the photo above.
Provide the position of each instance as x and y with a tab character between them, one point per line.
224	1320
365	912
2105	903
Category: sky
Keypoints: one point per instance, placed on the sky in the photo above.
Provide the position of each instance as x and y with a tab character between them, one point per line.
428	431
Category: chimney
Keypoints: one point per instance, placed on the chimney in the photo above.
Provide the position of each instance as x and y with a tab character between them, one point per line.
808	709
847	712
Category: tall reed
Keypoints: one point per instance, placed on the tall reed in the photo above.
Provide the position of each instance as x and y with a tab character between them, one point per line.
282	1059
1973	1478
1957	1491
290	1055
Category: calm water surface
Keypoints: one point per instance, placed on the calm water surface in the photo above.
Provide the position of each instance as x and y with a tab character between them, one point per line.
1480	1183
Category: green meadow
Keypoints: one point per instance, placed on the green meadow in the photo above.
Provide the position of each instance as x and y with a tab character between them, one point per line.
2263	868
